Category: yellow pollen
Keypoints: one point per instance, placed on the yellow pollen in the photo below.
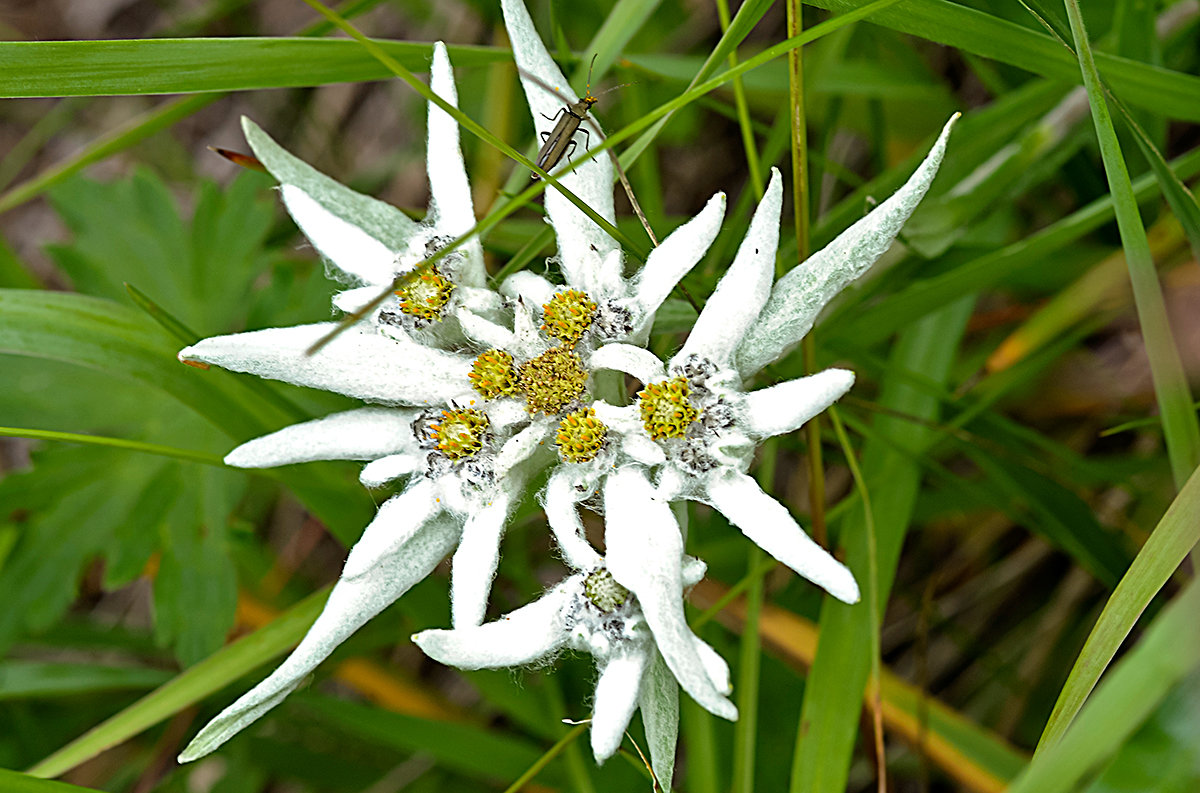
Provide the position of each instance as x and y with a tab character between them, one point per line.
460	434
493	375
425	295
603	590
568	315
551	381
666	410
580	436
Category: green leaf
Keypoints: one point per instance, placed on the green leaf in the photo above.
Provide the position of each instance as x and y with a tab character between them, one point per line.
99	334
205	678
1168	93
492	757
834	690
989	270
181	66
1174	536
1164	753
1180	427
47	679
16	782
1168	652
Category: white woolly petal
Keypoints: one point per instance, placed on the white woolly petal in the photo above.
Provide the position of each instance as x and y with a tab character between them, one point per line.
352	300
582	245
357	362
783	408
476	299
379	472
563	516
636	361
503	413
522	446
634	442
521	637
800	295
377	219
531	287
659	703
475	562
451	211
362	434
485	332
769	524
616	698
692	571
350	605
672	483
606	281
641	449
676	256
714	666
741	293
345	245
399	518
644	554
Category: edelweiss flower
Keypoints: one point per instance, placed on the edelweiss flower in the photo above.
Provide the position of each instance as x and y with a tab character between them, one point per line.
468	468
590	260
641	646
696	408
369	243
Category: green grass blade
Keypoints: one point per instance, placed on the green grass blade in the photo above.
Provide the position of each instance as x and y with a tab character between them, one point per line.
1165	92
16	782
474	127
1180	427
622	23
834	690
207	677
99	334
50	679
119	139
113	443
1169	650
991	269
201	65
139	128
1174	536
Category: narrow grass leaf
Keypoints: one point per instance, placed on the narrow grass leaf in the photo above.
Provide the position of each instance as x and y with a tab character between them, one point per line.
1139	682
1165	92
1180	427
989	270
16	782
113	443
205	678
976	758
1174	536
834	690
50	680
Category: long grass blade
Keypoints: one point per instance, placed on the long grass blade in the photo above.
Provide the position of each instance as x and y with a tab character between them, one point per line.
1174	536
1180	427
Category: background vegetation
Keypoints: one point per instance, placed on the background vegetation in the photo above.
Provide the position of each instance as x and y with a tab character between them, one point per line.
1000	477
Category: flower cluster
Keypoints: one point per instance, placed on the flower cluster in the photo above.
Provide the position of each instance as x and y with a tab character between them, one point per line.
472	392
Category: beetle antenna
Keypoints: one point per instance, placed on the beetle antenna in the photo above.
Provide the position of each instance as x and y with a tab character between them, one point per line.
615	87
588	88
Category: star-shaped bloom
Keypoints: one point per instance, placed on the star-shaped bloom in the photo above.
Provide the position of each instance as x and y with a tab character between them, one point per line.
368	243
590	260
696	407
642	647
467	467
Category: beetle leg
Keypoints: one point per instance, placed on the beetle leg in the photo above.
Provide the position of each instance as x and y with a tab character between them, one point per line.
587	144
